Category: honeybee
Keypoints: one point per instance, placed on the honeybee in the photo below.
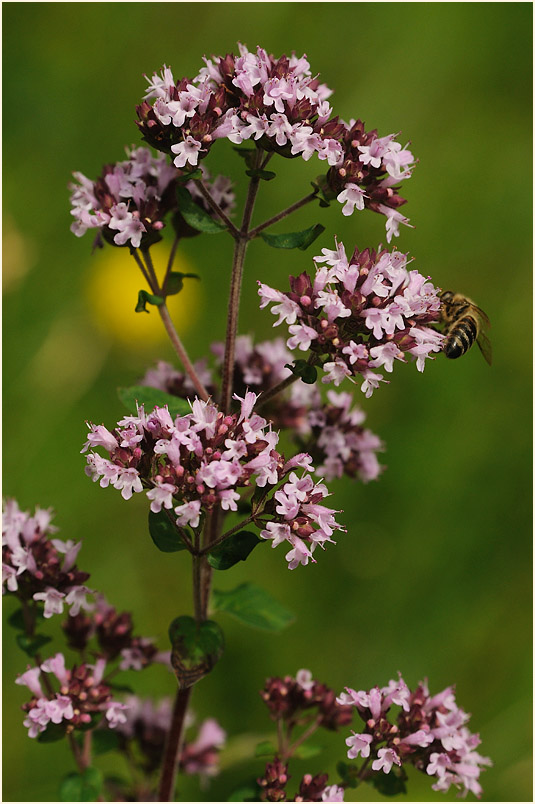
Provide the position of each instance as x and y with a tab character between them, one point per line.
464	323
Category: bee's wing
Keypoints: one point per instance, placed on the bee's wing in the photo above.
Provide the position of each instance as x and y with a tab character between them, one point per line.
483	316
485	346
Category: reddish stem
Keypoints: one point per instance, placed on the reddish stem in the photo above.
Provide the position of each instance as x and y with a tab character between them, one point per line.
173	746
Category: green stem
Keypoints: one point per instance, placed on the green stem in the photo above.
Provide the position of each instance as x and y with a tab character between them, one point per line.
143	269
181	352
183	535
276	389
216	208
150	270
282	385
226	535
285	212
150	276
240	248
300	740
170	262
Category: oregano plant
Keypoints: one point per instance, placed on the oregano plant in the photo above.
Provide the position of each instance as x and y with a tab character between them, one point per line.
202	442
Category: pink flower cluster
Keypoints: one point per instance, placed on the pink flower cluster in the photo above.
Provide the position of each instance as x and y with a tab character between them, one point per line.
331	432
340	440
200	460
129	200
83	695
35	567
359	314
299	517
282	106
429	732
147	724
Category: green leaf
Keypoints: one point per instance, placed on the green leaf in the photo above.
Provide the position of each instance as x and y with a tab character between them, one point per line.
121	687
85	786
304	370
196	647
186	177
254	606
389	784
307	751
175	282
195	215
301	240
325	193
258	173
31	645
348	774
104	740
163	533
16	620
248	153
52	733
235	548
151	398
265	749
144	298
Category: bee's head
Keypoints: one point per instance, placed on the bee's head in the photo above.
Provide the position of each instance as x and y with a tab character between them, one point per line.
447	295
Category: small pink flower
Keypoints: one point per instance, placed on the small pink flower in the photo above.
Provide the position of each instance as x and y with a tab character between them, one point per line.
333	793
56	665
304	679
358	744
77	599
352	197
53	601
386	757
29	679
186	152
189	513
115	714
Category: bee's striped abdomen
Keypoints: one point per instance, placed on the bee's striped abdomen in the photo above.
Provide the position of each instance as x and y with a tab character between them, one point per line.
461	337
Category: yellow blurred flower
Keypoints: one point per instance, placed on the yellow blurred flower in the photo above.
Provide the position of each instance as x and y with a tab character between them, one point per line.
112	291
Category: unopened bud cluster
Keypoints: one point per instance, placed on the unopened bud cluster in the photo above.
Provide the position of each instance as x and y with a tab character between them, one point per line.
288	697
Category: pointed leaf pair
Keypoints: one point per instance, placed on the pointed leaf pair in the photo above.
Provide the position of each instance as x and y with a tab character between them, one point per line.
196	647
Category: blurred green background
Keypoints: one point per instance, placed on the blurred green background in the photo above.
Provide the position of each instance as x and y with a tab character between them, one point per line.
434	576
